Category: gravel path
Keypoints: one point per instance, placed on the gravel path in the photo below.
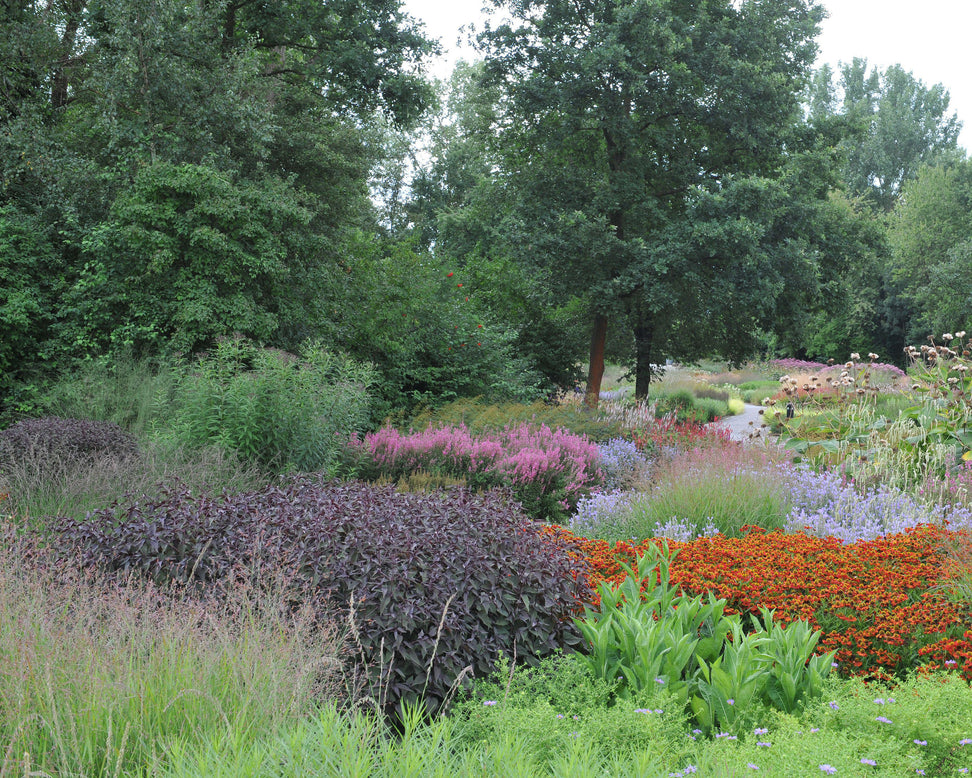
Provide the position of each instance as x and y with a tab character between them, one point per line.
746	426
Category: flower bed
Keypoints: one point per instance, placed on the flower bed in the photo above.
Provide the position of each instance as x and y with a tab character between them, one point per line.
548	470
877	602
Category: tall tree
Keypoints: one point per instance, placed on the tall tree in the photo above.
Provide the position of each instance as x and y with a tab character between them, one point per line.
931	238
893	124
198	167
627	114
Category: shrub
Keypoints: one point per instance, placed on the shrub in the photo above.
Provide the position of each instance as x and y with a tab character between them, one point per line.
76	440
679	401
435	583
708	410
547	470
272	408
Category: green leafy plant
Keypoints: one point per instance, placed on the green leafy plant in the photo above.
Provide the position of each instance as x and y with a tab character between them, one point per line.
647	633
278	410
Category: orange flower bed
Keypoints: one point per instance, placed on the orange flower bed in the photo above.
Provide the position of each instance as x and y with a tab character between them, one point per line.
876	601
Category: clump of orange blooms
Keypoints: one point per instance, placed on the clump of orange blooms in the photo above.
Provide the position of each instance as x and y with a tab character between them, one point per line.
879	603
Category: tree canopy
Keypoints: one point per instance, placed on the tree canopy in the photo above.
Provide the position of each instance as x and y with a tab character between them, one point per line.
624	120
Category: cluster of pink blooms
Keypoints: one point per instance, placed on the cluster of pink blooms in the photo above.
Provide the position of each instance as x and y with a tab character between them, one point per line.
524	455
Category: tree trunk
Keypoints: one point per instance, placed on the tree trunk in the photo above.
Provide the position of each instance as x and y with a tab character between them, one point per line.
644	331
595	371
59	77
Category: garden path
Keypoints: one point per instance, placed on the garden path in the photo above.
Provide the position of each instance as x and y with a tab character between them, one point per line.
747	425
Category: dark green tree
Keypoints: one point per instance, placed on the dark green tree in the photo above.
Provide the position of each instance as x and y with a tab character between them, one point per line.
186	170
624	119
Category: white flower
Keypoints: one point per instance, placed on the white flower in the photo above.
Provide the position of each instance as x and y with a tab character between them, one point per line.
872	356
855	355
947	336
960	334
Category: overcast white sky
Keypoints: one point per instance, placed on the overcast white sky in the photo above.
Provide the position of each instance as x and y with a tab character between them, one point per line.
930	38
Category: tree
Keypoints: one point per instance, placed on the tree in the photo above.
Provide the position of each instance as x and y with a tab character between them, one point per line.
893	124
189	169
931	238
625	117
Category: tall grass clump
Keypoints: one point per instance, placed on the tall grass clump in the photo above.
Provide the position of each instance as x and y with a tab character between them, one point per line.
280	411
136	394
42	484
695	492
101	677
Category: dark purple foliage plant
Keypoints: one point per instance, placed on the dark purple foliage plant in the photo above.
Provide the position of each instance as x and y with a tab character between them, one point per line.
441	584
74	439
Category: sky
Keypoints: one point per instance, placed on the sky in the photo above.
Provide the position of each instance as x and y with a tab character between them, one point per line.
929	38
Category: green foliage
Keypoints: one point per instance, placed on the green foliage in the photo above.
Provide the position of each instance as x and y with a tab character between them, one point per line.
930	233
479	417
645	633
894	124
189	254
28	285
600	190
708	409
560	700
138	395
281	411
428	329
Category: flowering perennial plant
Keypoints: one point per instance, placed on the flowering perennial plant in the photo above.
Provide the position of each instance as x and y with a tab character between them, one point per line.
877	602
667	433
794	365
548	470
623	464
827	504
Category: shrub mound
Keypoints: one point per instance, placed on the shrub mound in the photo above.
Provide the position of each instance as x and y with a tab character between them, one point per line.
76	440
439	582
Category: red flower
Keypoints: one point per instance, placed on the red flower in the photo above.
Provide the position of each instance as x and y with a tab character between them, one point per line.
449	274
